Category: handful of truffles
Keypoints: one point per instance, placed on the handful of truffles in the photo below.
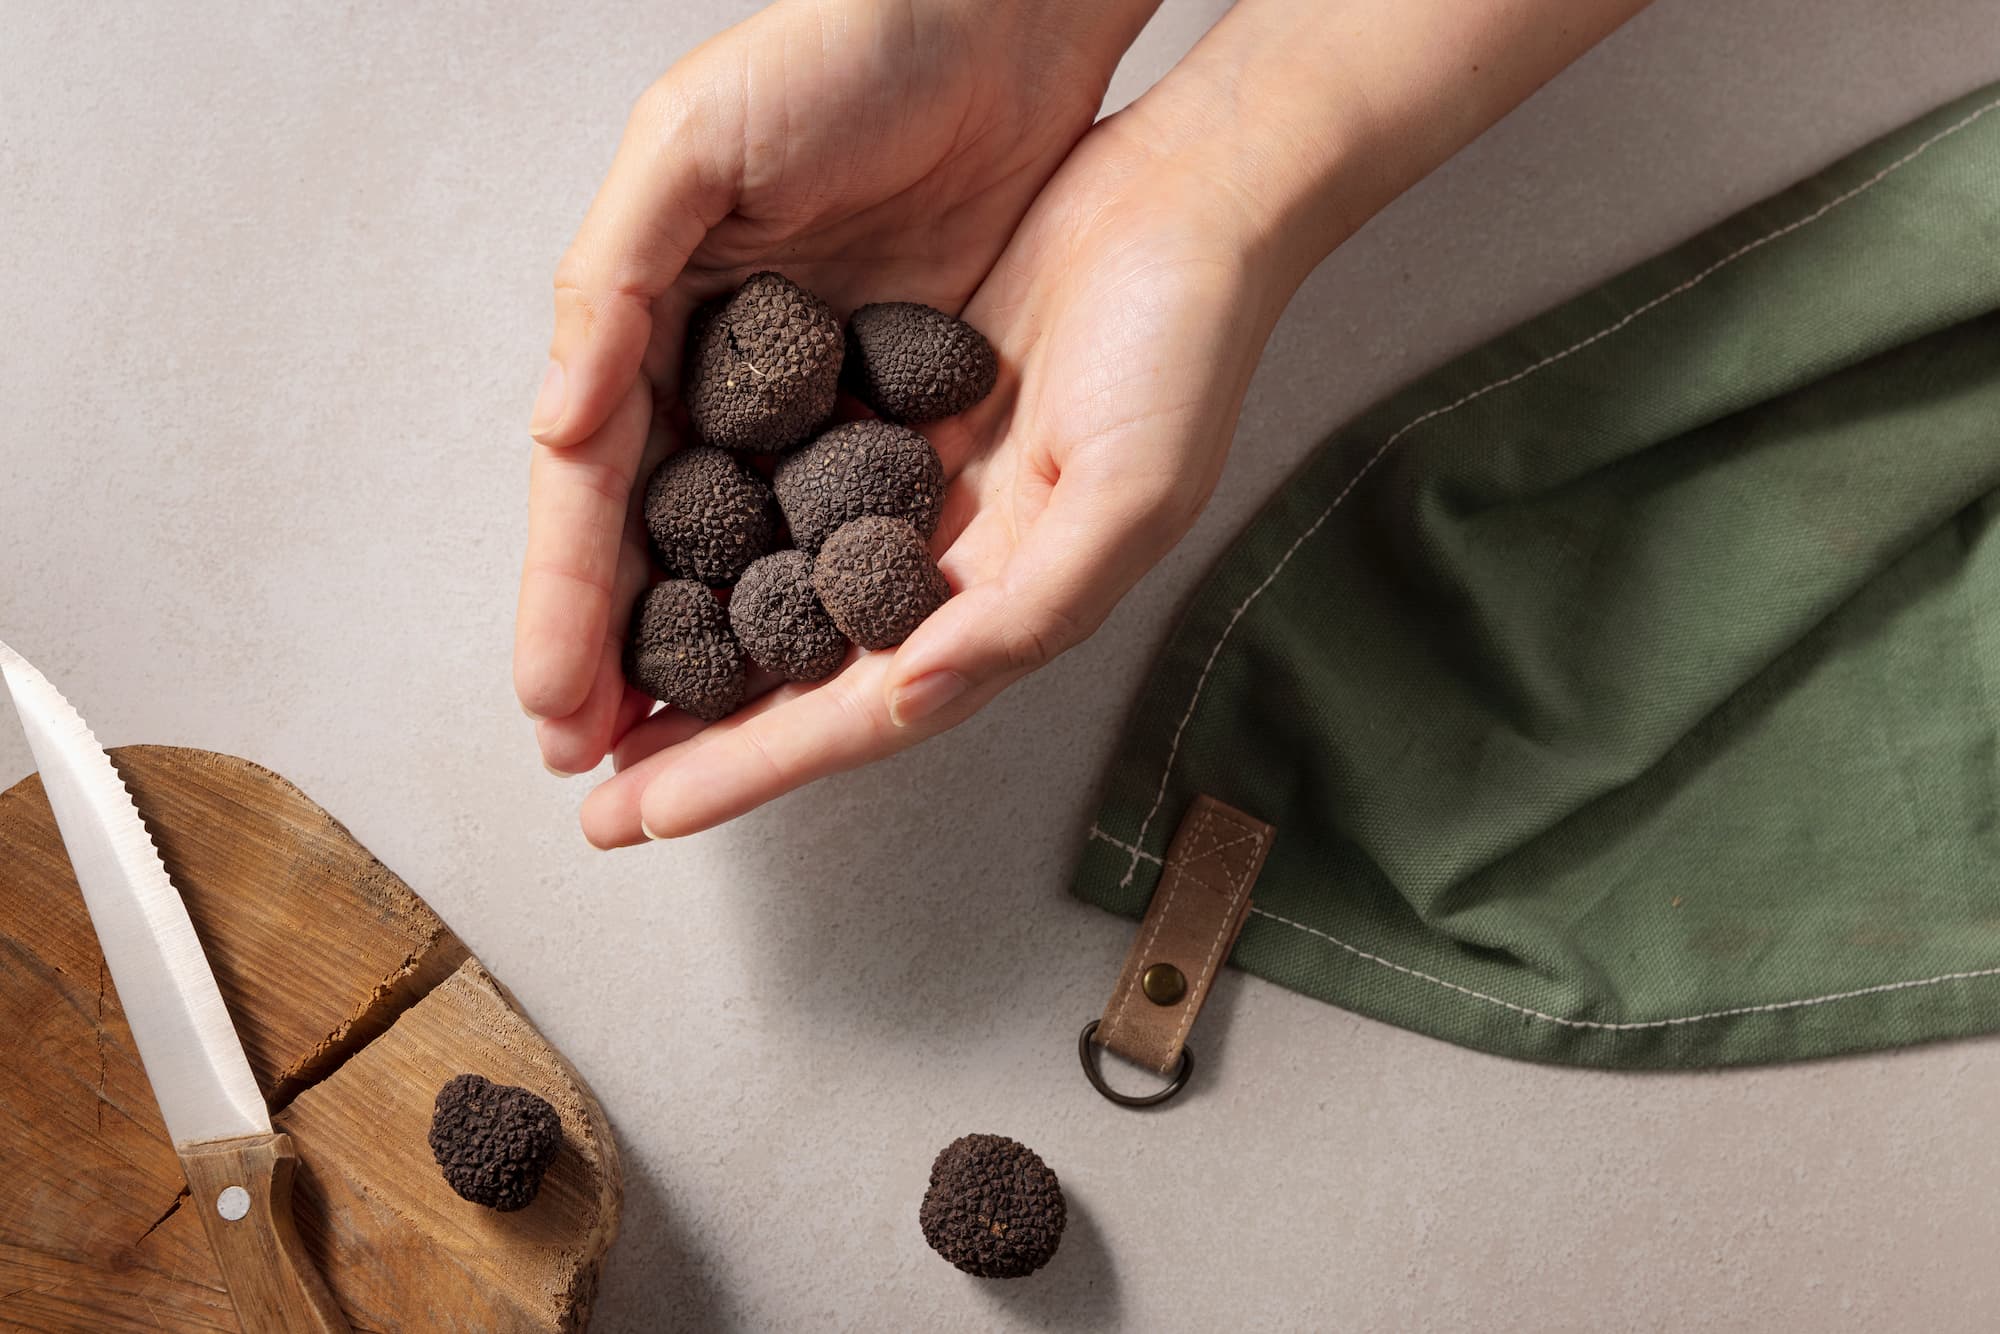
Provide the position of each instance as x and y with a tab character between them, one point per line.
860	501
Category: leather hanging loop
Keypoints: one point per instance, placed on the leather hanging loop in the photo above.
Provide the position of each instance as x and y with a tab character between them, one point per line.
1198	909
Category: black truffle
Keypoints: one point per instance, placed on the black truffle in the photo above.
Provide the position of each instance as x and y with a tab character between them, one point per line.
493	1141
780	623
866	467
681	652
994	1208
877	581
915	364
762	366
710	514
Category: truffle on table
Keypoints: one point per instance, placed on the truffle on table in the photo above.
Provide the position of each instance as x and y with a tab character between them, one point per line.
865	467
493	1141
763	365
682	652
994	1209
780	623
913	363
709	514
876	579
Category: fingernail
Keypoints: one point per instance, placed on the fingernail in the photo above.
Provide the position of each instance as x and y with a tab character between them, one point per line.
647	830
560	773
549	401
533	717
924	696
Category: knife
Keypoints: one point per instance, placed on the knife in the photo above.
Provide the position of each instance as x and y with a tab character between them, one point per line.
239	1171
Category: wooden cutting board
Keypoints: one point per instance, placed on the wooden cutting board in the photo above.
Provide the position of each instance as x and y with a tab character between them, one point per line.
354	1003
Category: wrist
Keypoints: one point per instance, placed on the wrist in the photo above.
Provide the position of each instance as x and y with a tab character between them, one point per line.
1315	114
1095	33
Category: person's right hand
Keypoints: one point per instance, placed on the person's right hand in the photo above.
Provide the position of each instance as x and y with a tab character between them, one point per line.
871	150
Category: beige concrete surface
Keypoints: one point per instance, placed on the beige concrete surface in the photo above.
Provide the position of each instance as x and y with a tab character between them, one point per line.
274	307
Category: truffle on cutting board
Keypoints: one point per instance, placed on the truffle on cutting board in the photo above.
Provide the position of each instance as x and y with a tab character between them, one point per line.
876	579
780	623
865	467
681	651
763	366
494	1141
312	935
914	363
994	1209
709	514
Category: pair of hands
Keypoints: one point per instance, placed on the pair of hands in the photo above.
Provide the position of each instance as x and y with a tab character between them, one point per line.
891	150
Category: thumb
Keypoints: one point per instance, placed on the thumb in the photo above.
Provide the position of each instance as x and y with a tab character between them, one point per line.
667	186
1070	568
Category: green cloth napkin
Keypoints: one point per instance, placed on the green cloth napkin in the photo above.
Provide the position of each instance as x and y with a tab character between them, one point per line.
1627	692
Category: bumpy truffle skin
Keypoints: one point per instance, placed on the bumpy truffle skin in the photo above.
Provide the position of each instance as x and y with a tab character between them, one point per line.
493	1141
681	651
912	363
994	1208
763	366
876	580
710	514
866	467
780	623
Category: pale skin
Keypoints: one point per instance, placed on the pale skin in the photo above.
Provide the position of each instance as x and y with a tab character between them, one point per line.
1127	274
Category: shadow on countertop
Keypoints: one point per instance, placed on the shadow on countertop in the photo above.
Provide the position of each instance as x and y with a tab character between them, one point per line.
1077	1290
655	1278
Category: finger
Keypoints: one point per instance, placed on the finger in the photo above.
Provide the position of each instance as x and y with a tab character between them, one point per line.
671	180
799	737
1067	570
576	743
643	735
964	505
578	502
635	709
610	814
668	727
842	724
959	439
980	549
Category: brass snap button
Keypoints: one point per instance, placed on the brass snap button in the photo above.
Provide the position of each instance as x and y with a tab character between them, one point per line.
1163	984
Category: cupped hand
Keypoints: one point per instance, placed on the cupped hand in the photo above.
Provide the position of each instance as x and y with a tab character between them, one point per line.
891	149
1128	312
868	149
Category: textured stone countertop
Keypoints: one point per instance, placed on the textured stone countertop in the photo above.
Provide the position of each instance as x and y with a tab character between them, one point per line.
276	305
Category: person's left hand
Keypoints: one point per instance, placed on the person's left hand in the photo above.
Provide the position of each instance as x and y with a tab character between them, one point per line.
1128	312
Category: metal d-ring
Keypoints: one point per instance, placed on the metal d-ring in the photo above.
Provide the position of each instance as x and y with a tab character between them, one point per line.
1096	1076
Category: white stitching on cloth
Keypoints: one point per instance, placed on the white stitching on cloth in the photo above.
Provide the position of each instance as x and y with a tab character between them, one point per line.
1583	1023
1123	846
1138	852
1173	750
1644	1023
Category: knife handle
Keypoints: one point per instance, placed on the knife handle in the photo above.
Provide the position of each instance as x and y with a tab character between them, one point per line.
271	1280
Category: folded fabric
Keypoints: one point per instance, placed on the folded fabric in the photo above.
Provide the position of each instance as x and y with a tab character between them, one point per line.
1627	692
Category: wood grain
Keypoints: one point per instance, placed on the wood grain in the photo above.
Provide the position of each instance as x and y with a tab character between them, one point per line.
354	1002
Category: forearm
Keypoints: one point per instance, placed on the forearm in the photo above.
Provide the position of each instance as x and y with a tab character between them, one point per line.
1317	113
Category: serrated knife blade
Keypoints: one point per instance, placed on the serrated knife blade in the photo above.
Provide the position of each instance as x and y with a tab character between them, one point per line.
189	1047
